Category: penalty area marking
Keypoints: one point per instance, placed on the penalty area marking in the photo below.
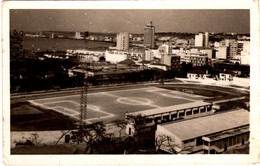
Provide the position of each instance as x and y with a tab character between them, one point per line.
70	112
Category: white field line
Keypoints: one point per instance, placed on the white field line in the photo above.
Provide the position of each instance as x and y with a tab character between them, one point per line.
119	97
97	93
95	108
174	97
52	108
60	101
92	107
102	117
76	115
154	89
160	91
185	94
63	112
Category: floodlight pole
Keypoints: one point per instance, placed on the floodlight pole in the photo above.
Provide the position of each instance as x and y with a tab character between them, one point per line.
84	101
83	95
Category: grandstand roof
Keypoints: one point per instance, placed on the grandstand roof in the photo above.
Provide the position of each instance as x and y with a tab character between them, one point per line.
206	125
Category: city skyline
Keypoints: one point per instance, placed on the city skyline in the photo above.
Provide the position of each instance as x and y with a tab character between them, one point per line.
132	21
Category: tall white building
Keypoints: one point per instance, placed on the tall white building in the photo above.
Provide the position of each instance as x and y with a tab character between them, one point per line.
202	39
206	41
122	41
149	31
199	40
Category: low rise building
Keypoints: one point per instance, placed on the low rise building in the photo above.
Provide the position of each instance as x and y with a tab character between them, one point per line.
221	53
137	55
197	74
199	60
150	54
115	56
166	59
226	76
175	63
212	134
204	50
196	59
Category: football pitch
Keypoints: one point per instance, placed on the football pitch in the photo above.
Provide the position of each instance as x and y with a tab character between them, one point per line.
112	105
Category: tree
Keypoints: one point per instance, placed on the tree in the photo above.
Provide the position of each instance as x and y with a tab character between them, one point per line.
159	140
90	134
63	133
121	125
139	121
143	132
35	139
169	144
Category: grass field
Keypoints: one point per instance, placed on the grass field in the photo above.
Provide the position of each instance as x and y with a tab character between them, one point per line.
112	105
60	110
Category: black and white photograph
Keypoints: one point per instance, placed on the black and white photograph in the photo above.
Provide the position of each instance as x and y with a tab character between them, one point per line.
129	81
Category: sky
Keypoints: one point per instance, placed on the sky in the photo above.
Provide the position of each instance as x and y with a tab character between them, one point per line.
133	21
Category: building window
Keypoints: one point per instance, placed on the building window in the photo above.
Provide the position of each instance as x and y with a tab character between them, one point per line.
195	111
202	110
225	146
210	108
181	114
67	138
212	151
199	141
188	113
243	141
166	118
185	142
174	115
157	119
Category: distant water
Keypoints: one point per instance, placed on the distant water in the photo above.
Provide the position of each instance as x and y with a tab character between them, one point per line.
43	44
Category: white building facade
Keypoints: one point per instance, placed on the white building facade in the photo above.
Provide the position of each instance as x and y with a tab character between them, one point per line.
122	41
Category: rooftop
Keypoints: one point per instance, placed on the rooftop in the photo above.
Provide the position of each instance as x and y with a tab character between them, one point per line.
202	126
205	48
171	108
197	71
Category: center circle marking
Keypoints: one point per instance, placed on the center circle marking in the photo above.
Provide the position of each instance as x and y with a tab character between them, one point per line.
134	101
